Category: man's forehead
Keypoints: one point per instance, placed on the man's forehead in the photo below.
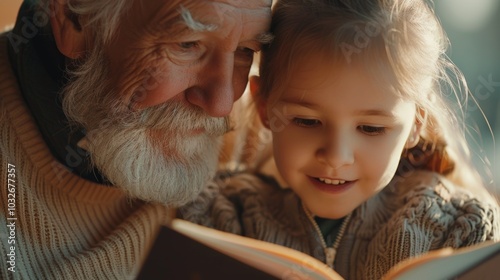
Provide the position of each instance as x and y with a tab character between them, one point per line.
224	8
178	17
223	14
170	9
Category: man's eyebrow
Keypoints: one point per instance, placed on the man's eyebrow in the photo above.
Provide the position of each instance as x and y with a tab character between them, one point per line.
265	38
186	24
193	24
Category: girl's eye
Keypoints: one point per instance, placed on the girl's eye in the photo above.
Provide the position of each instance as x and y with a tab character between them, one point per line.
371	130
306	122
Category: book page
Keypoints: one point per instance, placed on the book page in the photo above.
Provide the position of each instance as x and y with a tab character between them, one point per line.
445	263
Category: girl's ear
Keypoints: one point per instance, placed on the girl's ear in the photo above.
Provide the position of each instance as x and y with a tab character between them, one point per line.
414	136
260	104
68	33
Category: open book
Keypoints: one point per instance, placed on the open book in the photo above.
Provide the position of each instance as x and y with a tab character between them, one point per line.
481	261
189	251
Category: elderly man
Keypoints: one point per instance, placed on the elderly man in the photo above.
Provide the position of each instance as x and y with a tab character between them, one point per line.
111	112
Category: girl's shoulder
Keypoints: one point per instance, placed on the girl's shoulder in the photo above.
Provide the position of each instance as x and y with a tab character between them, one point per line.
430	202
421	184
417	213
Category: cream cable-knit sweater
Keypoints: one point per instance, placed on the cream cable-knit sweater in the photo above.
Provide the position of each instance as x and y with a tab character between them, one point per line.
59	225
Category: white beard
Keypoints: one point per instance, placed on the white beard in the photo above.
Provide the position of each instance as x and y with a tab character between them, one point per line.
150	154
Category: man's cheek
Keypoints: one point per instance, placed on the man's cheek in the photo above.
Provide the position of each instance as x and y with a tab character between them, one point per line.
157	88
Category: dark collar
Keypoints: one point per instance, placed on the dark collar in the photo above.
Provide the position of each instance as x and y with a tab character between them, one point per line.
39	68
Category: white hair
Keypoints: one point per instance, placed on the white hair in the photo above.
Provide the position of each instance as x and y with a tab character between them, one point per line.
103	15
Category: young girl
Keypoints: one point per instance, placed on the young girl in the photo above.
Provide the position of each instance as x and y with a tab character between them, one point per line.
373	160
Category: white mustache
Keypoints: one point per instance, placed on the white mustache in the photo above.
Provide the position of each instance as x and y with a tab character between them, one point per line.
176	117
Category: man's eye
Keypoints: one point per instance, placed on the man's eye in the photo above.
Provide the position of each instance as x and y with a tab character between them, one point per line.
188	45
185	52
244	56
372	130
246	51
309	123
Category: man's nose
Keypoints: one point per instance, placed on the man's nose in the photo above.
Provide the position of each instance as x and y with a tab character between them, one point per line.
215	91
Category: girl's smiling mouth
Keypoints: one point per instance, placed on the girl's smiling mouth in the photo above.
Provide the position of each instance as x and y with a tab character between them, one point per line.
332	185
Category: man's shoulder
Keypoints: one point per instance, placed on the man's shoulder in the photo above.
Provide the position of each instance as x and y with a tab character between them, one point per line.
4	57
6	71
4	36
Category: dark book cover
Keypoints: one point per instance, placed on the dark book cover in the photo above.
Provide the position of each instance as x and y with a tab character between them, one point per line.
178	257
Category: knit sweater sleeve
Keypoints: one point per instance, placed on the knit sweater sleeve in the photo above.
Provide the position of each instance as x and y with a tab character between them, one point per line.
432	214
223	201
212	209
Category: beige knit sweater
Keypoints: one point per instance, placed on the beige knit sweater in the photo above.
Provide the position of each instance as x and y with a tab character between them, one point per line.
57	225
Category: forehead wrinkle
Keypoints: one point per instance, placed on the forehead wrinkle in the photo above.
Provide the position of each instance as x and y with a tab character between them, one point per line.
185	23
172	19
248	17
230	9
165	23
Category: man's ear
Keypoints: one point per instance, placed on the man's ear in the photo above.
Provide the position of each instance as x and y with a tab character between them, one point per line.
414	137
68	33
259	102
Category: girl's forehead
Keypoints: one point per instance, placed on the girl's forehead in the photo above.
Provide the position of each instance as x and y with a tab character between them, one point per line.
320	80
314	70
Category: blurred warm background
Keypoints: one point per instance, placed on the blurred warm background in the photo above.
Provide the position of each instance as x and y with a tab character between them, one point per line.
8	12
472	26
